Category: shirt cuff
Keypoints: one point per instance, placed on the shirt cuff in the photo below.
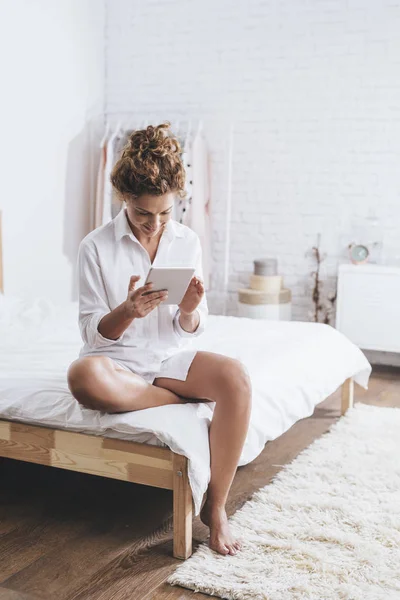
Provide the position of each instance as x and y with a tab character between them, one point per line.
93	335
182	332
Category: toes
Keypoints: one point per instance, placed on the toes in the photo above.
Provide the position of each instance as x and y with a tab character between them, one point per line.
220	548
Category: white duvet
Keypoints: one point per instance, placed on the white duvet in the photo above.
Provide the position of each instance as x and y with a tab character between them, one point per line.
293	366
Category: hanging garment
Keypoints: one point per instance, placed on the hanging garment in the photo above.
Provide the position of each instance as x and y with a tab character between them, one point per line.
199	217
107	214
183	205
97	214
112	204
120	142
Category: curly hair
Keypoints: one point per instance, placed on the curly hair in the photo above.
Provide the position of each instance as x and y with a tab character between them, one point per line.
150	163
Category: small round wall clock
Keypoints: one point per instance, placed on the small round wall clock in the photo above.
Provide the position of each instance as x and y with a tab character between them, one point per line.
358	253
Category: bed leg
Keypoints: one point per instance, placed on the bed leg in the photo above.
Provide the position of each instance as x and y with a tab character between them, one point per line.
347	395
183	510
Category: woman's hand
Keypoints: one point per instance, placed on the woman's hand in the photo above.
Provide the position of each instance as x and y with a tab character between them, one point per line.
137	305
192	297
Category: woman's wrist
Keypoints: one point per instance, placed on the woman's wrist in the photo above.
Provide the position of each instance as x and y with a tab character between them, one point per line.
113	324
189	321
126	311
186	314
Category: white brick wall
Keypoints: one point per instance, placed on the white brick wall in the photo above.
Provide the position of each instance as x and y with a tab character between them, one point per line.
313	90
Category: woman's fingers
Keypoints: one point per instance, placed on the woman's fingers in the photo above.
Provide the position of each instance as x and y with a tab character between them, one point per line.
197	282
198	285
155	296
151	305
145	309
144	289
133	281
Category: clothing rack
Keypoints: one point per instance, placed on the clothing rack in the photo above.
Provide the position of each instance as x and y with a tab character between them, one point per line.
183	124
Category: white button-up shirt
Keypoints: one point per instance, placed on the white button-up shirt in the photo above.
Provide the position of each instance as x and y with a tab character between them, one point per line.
107	258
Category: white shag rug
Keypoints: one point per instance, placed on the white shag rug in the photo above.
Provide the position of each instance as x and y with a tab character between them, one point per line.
326	528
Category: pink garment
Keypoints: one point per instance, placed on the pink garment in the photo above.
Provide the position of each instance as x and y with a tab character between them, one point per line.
111	203
97	214
199	215
183	207
107	192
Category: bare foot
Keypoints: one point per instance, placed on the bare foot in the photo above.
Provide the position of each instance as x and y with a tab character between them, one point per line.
221	539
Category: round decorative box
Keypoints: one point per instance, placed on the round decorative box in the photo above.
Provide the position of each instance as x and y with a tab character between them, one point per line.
266	298
265	266
272	312
271	284
257	297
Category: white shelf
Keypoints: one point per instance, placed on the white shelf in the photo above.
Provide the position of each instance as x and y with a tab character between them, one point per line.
368	304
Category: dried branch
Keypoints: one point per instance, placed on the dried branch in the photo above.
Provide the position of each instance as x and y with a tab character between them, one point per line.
326	308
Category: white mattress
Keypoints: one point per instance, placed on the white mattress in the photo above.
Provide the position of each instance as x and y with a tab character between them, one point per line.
293	367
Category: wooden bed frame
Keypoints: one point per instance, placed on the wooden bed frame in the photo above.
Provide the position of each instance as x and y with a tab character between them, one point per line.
114	458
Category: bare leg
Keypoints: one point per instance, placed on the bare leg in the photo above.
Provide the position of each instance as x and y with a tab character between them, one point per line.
228	384
99	383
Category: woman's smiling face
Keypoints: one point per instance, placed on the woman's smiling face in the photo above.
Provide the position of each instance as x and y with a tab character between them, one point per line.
149	214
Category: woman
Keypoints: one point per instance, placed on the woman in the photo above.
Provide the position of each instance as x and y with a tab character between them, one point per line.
136	353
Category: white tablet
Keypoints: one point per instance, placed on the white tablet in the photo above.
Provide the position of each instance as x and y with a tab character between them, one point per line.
173	279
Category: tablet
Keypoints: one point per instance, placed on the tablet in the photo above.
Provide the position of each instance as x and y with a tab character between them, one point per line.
173	279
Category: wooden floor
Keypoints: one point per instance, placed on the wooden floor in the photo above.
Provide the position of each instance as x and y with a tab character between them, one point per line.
69	536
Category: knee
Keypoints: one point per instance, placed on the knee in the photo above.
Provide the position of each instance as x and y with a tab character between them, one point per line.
87	380
235	377
83	371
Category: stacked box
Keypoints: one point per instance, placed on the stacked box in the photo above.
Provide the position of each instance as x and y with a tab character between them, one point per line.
266	298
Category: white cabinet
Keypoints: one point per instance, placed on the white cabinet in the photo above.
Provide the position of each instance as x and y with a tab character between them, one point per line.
368	306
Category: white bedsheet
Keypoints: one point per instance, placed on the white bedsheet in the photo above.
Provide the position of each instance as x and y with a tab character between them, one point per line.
293	367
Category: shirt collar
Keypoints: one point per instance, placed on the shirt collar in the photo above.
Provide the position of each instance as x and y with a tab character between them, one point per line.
122	228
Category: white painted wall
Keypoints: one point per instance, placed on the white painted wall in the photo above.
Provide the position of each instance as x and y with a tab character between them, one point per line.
313	90
52	81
